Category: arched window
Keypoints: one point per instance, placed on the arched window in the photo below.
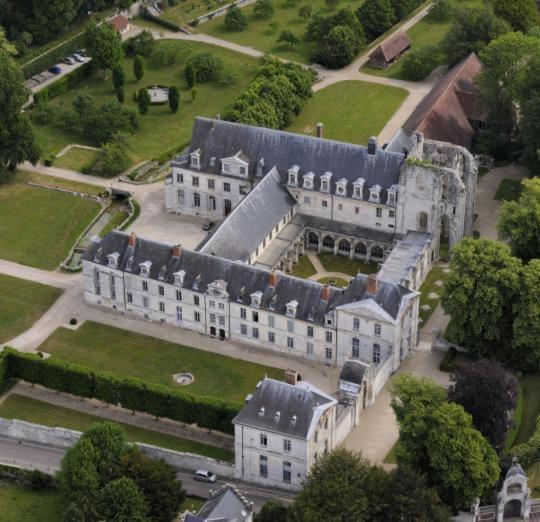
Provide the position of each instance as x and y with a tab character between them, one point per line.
212	203
344	246
196	200
422	220
313	240
328	242
377	252
360	249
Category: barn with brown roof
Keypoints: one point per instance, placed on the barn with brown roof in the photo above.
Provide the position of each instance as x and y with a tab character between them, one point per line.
451	112
120	23
390	50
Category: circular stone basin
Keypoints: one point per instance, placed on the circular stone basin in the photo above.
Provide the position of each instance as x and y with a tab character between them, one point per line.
183	378
158	94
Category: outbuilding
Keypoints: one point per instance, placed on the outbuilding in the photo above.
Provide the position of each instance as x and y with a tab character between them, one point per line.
390	50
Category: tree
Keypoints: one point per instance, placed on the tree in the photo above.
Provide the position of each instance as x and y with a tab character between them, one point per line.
376	17
48	19
112	159
235	19
174	99
272	511
119	78
120	95
526	327
442	10
263	9
206	67
111	119
157	482
520	221
17	139
403	7
287	39
530	132
121	501
72	514
104	46
143	44
520	14
189	73
483	282
305	11
418	63
194	93
487	391
143	100
332	4
339	48
138	67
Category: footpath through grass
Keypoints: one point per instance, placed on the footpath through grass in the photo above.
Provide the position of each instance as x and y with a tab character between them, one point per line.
51	181
128	354
22	303
508	190
304	268
431	293
38	226
351	111
39	412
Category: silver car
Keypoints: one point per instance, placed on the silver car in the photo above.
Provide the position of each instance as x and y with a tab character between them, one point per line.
78	58
68	60
205	476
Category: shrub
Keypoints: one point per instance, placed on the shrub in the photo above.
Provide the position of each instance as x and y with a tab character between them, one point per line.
448	362
442	10
49	160
160	21
263	9
112	159
205	67
174	99
418	63
40	480
165	55
138	67
287	39
529	452
143	100
235	19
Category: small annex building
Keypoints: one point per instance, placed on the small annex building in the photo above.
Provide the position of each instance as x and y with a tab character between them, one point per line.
390	50
120	23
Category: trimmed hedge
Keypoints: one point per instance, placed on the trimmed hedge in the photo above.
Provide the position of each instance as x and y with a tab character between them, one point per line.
134	394
529	452
35	479
164	23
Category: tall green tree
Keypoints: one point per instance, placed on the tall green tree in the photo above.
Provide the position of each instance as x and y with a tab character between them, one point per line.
104	46
264	9
403	7
520	221
143	100
121	501
530	132
483	281
235	19
520	14
174	99
16	137
48	19
376	17
339	48
143	44
272	511
138	67
119	78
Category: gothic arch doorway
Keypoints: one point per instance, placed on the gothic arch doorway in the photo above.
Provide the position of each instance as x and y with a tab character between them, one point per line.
512	509
313	240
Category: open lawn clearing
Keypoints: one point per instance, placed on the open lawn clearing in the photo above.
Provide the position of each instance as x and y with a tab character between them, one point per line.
530	384
38	226
346	265
76	158
161	131
508	190
51	181
187	10
39	412
304	268
262	34
128	354
22	303
351	111
22	504
334	281
427	290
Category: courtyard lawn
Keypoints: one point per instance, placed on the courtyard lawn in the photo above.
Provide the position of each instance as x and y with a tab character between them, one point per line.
262	34
39	412
428	287
345	265
161	132
530	385
75	159
22	303
51	181
22	504
351	111
128	354
508	190
38	226
334	281
304	268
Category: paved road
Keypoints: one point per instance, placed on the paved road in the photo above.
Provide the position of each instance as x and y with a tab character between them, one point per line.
47	459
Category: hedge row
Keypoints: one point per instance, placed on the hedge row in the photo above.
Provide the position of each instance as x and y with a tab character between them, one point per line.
529	452
133	394
35	479
164	23
66	83
52	57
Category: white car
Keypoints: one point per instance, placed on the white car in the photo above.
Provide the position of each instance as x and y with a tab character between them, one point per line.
68	60
78	58
205	476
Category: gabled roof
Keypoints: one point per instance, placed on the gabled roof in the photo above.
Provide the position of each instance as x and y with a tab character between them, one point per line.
444	114
119	22
391	48
227	504
353	371
284	408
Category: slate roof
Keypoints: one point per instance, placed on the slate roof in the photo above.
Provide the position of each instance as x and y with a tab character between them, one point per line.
304	401
353	371
225	505
222	139
252	220
444	114
391	48
242	279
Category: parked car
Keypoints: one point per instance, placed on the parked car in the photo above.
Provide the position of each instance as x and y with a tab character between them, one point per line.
55	69
207	226
205	476
68	60
81	52
77	57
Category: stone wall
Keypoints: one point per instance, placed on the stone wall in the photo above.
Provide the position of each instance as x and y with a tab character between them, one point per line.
62	438
219	12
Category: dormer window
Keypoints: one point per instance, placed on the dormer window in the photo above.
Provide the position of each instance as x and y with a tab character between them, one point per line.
256	299
261	411
226	168
196	159
277	416
179	277
293	176
358	188
213	161
392	195
236	165
291	308
375	194
260	167
341	187
329	319
325	182
112	259
145	268
308	181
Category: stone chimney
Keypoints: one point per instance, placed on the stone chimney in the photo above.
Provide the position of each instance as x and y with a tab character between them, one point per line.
291	376
320	127
132	240
177	251
272	279
372	145
372	284
325	295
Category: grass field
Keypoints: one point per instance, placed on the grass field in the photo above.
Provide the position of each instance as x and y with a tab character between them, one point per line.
304	268
262	34
51	181
428	287
161	131
351	111
187	10
39	226
128	354
39	412
22	303
21	504
76	158
508	190
345	265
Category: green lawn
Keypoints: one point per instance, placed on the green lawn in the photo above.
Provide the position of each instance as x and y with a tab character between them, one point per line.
508	190
428	287
334	281
304	268
391	457
351	111
38	226
161	131
39	412
52	181
187	10
117	219
22	303
128	354
530	384
76	158
263	34
21	504
345	265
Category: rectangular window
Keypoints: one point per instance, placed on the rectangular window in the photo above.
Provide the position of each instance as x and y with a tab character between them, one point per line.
290	326
324	203
378	212
145	302
211	184
161	307
242	170
161	290
196	300
212	304
263	440
309	349
129	297
179	178
212	318
243	313
287	472
195	181
328	353
271	337
263	466
286	445
178	313
271	321
255	317
197	317
377	330
221	306
307	200
226	187
290	342
328	337
222	320
255	333
356	324
310	331
226	168
355	348
391	213
243	329
178	295
376	353
180	197
145	286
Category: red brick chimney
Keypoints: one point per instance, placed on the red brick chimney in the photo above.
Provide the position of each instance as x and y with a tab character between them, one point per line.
177	251
132	239
272	279
325	295
372	284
